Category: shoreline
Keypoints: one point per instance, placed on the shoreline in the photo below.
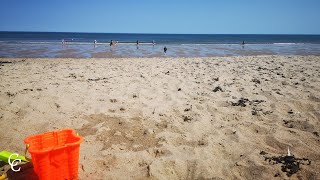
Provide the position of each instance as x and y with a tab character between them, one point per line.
153	58
170	118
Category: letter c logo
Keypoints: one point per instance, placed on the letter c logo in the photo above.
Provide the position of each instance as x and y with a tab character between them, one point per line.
14	162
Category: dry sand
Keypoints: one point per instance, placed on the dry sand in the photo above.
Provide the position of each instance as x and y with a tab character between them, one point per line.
171	118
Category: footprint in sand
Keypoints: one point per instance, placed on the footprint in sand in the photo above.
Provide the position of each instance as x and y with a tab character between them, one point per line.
119	133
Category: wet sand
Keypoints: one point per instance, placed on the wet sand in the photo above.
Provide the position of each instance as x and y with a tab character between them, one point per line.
171	118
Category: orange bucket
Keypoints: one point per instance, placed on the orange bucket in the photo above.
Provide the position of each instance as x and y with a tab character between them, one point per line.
55	155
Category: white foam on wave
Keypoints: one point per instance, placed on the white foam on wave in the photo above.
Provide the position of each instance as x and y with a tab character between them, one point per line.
288	43
208	44
69	42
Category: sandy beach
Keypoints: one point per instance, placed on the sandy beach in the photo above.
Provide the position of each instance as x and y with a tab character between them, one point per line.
171	118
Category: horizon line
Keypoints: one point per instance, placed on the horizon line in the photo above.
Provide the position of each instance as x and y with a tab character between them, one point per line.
160	33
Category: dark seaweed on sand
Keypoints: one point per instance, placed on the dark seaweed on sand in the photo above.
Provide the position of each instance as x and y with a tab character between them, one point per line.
241	102
218	88
5	62
289	164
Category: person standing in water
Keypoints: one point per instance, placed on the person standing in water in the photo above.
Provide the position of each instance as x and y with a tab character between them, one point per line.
242	44
153	43
137	43
165	50
94	43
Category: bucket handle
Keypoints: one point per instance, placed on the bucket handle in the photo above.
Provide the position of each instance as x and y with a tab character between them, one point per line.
25	153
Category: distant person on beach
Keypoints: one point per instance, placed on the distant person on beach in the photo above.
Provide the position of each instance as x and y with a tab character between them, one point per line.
137	44
165	50
153	43
111	43
243	42
62	41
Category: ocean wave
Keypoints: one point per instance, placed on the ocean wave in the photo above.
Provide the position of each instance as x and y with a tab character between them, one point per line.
289	43
204	44
144	43
68	42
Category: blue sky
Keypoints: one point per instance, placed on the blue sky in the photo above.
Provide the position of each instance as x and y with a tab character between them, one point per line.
163	16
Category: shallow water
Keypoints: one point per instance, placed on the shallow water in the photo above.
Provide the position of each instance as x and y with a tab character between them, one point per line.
54	50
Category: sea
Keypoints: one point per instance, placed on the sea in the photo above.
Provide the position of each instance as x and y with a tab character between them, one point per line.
81	45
